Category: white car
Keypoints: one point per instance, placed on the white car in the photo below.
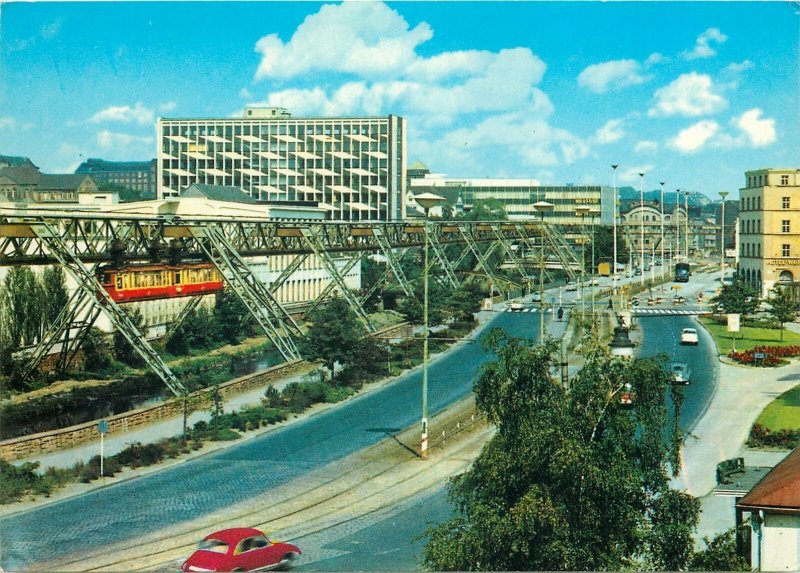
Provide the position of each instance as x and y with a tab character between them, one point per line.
572	286
689	336
680	373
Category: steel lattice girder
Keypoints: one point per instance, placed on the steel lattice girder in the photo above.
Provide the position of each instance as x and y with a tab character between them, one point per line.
270	315
88	283
187	309
331	286
90	237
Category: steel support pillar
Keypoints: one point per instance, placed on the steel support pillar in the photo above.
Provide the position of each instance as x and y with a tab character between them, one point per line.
279	327
317	245
482	263
87	282
447	266
290	269
331	286
505	244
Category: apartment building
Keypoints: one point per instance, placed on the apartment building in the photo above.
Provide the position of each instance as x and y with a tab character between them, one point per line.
769	226
139	176
353	168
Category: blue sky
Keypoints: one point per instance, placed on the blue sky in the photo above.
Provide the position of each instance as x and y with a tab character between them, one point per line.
690	93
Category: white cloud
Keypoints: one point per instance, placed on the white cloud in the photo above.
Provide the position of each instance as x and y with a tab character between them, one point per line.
689	95
363	38
7	123
124	144
739	67
655	58
125	114
610	132
599	78
702	47
645	146
759	132
244	93
167	107
631	174
695	136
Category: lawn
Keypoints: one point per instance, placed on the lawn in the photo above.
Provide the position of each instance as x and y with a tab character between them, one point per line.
783	412
748	337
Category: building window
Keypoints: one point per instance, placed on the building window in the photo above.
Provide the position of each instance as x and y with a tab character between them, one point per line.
785	203
786	250
784	179
747	250
785	227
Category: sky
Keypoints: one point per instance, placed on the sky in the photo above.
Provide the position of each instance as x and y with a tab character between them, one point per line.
689	93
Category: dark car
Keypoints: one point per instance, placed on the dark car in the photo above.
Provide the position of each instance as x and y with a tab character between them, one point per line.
240	549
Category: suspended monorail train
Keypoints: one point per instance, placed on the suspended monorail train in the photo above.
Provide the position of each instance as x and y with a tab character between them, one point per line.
153	281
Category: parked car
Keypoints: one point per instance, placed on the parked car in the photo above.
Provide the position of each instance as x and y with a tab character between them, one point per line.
240	549
680	373
689	336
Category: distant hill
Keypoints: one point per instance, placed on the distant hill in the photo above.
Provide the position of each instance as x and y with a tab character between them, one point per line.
695	199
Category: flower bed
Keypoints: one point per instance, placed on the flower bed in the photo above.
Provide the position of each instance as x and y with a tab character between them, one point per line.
774	355
764	437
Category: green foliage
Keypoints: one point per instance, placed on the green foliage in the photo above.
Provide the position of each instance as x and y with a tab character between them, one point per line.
21	307
604	246
231	317
54	292
121	349
96	352
334	335
675	516
571	478
486	210
737	298
371	273
719	554
782	307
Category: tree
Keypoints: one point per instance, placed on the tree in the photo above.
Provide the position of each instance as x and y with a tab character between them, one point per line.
572	478
737	298
604	246
121	349
96	353
490	209
782	308
371	272
231	316
719	554
21	306
54	287
464	301
334	335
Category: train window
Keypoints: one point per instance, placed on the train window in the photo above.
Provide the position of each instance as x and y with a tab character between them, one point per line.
106	278
119	282
178	278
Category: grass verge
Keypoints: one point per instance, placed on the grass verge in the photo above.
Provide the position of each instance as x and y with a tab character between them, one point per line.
783	413
748	337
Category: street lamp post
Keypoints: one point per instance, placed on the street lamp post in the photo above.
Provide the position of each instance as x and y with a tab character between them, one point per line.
592	214
614	265
686	220
542	207
641	227
426	201
722	194
677	225
663	264
581	211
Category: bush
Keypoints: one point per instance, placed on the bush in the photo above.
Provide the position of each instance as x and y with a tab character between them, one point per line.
297	397
761	437
775	355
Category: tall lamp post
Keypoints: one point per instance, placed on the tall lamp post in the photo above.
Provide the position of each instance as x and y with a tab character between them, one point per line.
542	207
686	220
614	265
641	227
426	201
663	264
581	211
592	215
722	194
677	225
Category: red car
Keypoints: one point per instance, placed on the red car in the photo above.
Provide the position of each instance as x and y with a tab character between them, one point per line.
240	549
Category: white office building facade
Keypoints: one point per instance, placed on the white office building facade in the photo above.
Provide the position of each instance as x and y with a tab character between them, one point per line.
353	168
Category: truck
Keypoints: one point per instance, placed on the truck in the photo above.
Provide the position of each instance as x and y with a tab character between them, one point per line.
682	272
604	269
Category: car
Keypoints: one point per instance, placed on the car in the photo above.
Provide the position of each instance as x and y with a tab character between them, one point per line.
572	286
680	373
635	302
594	282
689	336
240	549
637	272
678	300
537	297
515	306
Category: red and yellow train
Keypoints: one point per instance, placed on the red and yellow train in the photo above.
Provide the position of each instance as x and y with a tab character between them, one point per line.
154	281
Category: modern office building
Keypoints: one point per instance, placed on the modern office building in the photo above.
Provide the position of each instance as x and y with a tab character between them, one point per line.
353	168
519	195
769	224
139	176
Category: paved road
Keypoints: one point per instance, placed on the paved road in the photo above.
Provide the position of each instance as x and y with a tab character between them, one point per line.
145	505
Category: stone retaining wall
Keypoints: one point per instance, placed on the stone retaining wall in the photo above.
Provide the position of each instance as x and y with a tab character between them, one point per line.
28	446
34	444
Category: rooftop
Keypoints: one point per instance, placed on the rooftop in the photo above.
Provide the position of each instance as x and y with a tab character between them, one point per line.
779	489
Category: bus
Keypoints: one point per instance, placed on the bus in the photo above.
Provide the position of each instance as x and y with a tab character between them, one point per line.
682	272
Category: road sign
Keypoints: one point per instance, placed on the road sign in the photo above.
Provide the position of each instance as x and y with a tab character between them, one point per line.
759	355
102	426
733	323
